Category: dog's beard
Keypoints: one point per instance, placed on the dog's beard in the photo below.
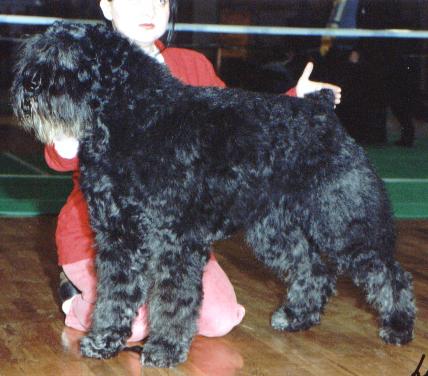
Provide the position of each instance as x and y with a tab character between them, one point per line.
54	119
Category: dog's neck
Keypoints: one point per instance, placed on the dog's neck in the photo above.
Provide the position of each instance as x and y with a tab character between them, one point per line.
152	71
147	64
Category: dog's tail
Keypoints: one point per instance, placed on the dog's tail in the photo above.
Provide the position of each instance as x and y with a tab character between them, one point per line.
324	97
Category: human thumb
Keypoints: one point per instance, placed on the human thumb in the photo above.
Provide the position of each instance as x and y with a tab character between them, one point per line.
307	71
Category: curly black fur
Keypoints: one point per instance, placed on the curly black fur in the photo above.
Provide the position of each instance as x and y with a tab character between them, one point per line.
167	169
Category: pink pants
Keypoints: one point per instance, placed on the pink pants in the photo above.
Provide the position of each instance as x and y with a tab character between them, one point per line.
219	313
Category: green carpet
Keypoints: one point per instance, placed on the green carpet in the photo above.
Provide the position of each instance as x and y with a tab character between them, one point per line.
28	187
405	172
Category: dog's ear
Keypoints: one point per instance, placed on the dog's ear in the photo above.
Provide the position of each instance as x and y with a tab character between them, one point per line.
325	97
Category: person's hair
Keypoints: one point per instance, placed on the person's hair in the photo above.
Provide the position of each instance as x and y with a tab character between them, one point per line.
173	5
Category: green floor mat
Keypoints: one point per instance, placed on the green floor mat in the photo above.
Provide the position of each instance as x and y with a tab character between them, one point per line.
10	164
409	200
29	196
405	171
398	162
28	187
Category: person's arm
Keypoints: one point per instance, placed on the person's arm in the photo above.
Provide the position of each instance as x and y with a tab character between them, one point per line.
291	92
62	155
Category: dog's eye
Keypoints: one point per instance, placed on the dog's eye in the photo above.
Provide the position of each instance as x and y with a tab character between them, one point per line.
32	83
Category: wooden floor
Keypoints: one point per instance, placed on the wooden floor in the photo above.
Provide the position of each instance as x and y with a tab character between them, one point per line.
33	340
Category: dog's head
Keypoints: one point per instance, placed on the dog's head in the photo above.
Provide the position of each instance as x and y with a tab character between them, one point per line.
56	78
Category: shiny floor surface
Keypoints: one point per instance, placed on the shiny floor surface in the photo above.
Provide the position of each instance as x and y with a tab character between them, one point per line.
34	341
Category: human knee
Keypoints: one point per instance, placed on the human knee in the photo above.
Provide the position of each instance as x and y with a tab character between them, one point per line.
220	321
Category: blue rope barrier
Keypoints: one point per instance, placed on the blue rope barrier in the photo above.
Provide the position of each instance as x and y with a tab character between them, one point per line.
240	29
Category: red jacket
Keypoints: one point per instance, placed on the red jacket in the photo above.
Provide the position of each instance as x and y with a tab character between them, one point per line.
74	237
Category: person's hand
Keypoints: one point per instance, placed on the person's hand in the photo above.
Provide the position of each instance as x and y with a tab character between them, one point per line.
306	86
67	147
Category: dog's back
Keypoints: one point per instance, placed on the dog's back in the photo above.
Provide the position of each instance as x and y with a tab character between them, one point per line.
233	146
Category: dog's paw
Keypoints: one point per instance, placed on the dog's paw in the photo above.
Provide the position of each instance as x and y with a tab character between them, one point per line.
101	345
290	321
163	354
397	330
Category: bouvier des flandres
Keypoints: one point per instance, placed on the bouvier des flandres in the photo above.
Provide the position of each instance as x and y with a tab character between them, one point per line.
167	169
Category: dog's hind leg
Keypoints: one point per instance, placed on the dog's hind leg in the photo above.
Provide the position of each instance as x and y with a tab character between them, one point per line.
389	289
174	305
122	288
283	247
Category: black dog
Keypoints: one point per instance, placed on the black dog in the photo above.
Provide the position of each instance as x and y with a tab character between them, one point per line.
167	169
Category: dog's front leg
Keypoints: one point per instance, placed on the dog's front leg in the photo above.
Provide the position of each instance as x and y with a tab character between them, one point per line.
174	307
121	290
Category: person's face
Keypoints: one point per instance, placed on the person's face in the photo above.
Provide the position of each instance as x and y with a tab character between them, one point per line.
142	21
